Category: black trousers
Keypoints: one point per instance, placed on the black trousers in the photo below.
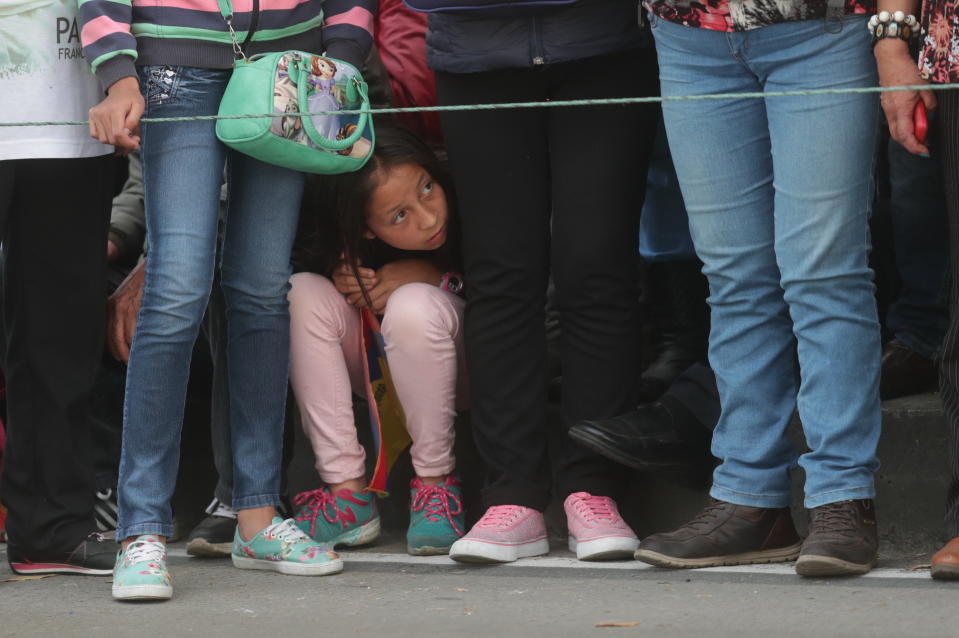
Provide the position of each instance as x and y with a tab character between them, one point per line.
549	191
54	215
947	146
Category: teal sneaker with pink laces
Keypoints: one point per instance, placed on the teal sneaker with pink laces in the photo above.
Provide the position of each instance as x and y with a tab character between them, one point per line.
140	572
283	547
346	518
436	517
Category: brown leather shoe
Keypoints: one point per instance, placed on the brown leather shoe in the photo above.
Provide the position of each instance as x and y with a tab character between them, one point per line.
725	534
945	562
843	540
905	373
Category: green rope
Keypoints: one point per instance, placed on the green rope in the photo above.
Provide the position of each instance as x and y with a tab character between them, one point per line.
617	101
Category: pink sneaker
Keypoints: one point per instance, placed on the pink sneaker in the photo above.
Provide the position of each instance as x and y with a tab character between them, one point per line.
505	533
596	530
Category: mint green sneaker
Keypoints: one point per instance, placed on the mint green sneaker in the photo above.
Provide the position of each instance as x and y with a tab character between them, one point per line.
140	572
436	517
348	518
283	548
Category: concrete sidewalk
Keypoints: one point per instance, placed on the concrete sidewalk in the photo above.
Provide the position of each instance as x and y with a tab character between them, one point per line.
383	592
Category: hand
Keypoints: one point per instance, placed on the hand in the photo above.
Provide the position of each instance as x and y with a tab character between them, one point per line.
116	120
112	251
347	283
392	276
122	308
897	68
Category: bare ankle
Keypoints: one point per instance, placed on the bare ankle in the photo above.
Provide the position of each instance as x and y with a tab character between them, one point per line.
253	520
433	480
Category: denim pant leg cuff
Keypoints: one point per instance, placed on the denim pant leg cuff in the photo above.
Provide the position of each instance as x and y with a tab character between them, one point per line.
257	500
835	496
751	500
140	529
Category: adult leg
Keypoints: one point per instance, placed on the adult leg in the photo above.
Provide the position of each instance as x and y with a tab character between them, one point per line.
500	165
945	562
725	170
595	230
949	368
723	159
822	247
54	316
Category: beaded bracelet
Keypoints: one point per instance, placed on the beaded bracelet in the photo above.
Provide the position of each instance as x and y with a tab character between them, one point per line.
892	25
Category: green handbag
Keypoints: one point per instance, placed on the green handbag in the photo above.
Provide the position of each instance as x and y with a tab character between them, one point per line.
290	82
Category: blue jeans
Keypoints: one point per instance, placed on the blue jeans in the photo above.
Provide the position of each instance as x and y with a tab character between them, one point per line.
778	193
183	171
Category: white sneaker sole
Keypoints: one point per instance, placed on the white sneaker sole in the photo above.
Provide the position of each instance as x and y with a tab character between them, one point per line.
362	535
608	548
468	550
286	567
143	592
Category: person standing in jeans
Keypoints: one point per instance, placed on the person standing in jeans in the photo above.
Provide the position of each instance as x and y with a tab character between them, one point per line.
546	191
181	68
778	192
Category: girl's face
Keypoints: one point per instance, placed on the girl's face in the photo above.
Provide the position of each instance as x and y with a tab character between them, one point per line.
326	71
407	209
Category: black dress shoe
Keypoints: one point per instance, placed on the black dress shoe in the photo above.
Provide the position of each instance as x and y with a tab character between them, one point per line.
94	556
725	534
905	373
662	437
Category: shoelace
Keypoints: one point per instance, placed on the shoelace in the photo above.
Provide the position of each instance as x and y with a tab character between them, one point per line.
218	508
286	531
145	552
434	501
500	516
313	503
707	516
836	517
595	508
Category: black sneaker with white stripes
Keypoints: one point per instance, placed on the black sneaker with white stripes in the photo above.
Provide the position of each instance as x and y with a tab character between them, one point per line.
213	536
94	556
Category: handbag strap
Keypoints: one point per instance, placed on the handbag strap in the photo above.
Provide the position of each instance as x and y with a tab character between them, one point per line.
239	50
302	88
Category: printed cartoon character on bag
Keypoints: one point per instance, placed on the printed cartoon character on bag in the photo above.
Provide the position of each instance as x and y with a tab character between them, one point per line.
285	101
359	148
326	96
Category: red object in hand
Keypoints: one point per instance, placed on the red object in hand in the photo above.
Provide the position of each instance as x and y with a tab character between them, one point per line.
920	122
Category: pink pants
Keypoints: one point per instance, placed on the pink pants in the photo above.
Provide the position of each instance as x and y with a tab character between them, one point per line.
422	328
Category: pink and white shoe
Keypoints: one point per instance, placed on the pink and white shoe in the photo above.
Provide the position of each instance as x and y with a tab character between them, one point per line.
596	530
505	533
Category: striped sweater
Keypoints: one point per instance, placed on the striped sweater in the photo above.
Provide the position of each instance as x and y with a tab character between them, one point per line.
117	34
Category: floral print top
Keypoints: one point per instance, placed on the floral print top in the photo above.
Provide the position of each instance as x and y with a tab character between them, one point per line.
742	15
939	46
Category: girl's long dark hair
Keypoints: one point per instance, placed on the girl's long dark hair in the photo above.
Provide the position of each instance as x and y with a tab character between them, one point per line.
333	220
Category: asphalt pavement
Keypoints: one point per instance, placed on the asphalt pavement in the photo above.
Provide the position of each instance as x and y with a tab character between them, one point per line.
383	592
